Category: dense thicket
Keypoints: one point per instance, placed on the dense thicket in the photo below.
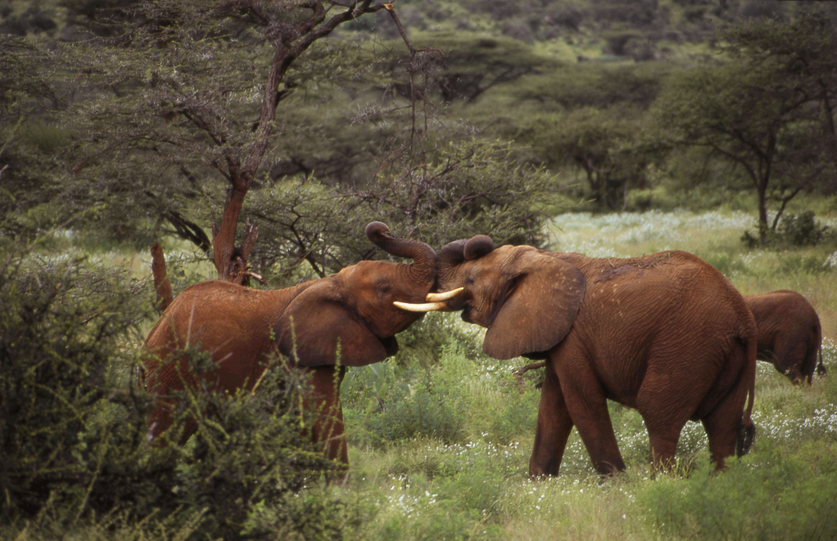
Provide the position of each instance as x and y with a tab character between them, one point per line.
478	117
73	423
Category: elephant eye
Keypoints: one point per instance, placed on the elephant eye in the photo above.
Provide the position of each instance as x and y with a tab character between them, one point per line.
384	288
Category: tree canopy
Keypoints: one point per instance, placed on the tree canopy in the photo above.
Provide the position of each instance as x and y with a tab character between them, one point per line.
764	106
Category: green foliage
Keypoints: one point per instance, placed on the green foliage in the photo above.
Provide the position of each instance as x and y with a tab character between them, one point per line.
68	398
802	229
763	497
754	107
793	230
73	432
604	145
402	411
461	397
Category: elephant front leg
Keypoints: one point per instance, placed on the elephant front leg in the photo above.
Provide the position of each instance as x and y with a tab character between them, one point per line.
325	400
587	406
553	429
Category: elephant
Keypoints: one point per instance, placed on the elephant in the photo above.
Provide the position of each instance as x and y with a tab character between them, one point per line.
351	312
666	334
789	333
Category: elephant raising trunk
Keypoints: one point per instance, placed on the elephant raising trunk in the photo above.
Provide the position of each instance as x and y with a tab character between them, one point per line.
322	326
423	256
423	269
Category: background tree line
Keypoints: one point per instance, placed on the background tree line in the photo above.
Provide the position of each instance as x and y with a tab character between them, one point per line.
142	120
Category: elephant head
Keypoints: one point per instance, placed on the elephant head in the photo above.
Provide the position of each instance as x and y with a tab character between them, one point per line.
526	298
351	318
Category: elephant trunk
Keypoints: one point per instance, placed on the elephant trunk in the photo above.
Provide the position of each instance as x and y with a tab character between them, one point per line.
423	256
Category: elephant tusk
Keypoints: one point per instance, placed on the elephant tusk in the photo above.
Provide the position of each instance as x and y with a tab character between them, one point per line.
436	297
423	307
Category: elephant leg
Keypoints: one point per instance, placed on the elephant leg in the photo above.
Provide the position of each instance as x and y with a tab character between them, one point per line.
671	391
159	420
553	429
790	355
587	406
325	400
722	426
664	419
663	438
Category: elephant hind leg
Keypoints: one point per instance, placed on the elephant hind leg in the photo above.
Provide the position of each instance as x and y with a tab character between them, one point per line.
790	358
160	420
728	431
663	443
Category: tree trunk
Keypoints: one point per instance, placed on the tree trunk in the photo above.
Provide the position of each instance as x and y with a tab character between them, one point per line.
231	261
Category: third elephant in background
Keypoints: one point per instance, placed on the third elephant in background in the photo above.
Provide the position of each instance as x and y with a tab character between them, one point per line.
789	333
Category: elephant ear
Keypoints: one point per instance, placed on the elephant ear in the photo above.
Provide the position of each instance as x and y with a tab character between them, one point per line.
316	326
544	294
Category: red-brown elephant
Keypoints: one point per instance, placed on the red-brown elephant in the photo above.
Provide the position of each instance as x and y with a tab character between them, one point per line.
665	334
351	311
790	335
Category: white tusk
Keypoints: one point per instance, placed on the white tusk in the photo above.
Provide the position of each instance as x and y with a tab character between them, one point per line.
425	307
436	297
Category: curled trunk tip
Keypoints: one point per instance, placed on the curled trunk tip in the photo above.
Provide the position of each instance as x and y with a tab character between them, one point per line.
423	256
375	232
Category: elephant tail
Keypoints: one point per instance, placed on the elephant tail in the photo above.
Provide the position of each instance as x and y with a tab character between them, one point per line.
746	432
820	367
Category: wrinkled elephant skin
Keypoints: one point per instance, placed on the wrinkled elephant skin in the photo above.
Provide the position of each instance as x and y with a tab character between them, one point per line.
665	334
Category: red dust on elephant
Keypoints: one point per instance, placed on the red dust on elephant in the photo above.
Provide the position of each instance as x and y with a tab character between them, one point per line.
344	320
665	334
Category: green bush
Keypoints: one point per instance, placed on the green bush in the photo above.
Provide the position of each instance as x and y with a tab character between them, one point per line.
793	230
62	332
73	426
770	496
802	229
423	408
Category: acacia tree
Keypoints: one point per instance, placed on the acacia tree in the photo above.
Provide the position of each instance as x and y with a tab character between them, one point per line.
606	145
806	52
196	87
766	109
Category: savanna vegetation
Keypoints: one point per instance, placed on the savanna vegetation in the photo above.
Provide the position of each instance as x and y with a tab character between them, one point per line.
255	140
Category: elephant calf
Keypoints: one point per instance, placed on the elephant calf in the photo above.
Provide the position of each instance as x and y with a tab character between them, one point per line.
351	312
790	335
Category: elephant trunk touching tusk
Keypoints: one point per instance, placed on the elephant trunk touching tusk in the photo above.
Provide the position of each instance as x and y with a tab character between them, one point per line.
420	307
437	297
